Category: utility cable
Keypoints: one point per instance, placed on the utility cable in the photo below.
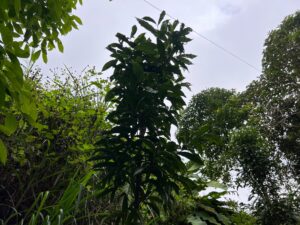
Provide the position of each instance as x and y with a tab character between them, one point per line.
207	39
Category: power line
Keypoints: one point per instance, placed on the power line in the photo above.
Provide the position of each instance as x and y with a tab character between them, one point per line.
207	39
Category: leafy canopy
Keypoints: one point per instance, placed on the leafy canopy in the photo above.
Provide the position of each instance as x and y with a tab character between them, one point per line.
255	133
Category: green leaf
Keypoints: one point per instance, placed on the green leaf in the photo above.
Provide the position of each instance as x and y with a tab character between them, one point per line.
2	94
190	56
17	5
36	55
122	37
18	28
6	34
162	16
14	73
44	56
3	152
19	52
147	26
77	19
10	124
133	31
175	24
60	45
109	64
147	18
28	107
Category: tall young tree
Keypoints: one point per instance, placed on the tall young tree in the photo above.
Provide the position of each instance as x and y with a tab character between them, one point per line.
140	163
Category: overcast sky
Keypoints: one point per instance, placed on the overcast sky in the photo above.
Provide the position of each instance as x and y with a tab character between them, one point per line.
240	26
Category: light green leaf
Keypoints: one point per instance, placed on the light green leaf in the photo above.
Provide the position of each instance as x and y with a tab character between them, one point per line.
77	19
3	152
28	107
216	184
6	34
60	45
44	56
36	55
10	124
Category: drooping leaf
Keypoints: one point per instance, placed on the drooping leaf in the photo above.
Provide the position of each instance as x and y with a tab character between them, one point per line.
109	65
147	18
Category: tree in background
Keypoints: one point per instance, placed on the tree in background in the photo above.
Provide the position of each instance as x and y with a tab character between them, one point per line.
258	135
255	133
206	125
276	95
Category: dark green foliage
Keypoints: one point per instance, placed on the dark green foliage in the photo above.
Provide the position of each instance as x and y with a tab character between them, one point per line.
278	90
275	99
206	125
139	162
256	133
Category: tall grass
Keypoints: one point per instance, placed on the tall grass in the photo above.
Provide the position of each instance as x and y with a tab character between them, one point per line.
64	211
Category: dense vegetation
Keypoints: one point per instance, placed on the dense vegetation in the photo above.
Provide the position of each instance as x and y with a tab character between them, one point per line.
255	133
79	149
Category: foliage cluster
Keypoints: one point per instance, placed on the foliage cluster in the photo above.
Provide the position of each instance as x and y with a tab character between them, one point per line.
256	132
137	156
28	29
43	158
42	182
